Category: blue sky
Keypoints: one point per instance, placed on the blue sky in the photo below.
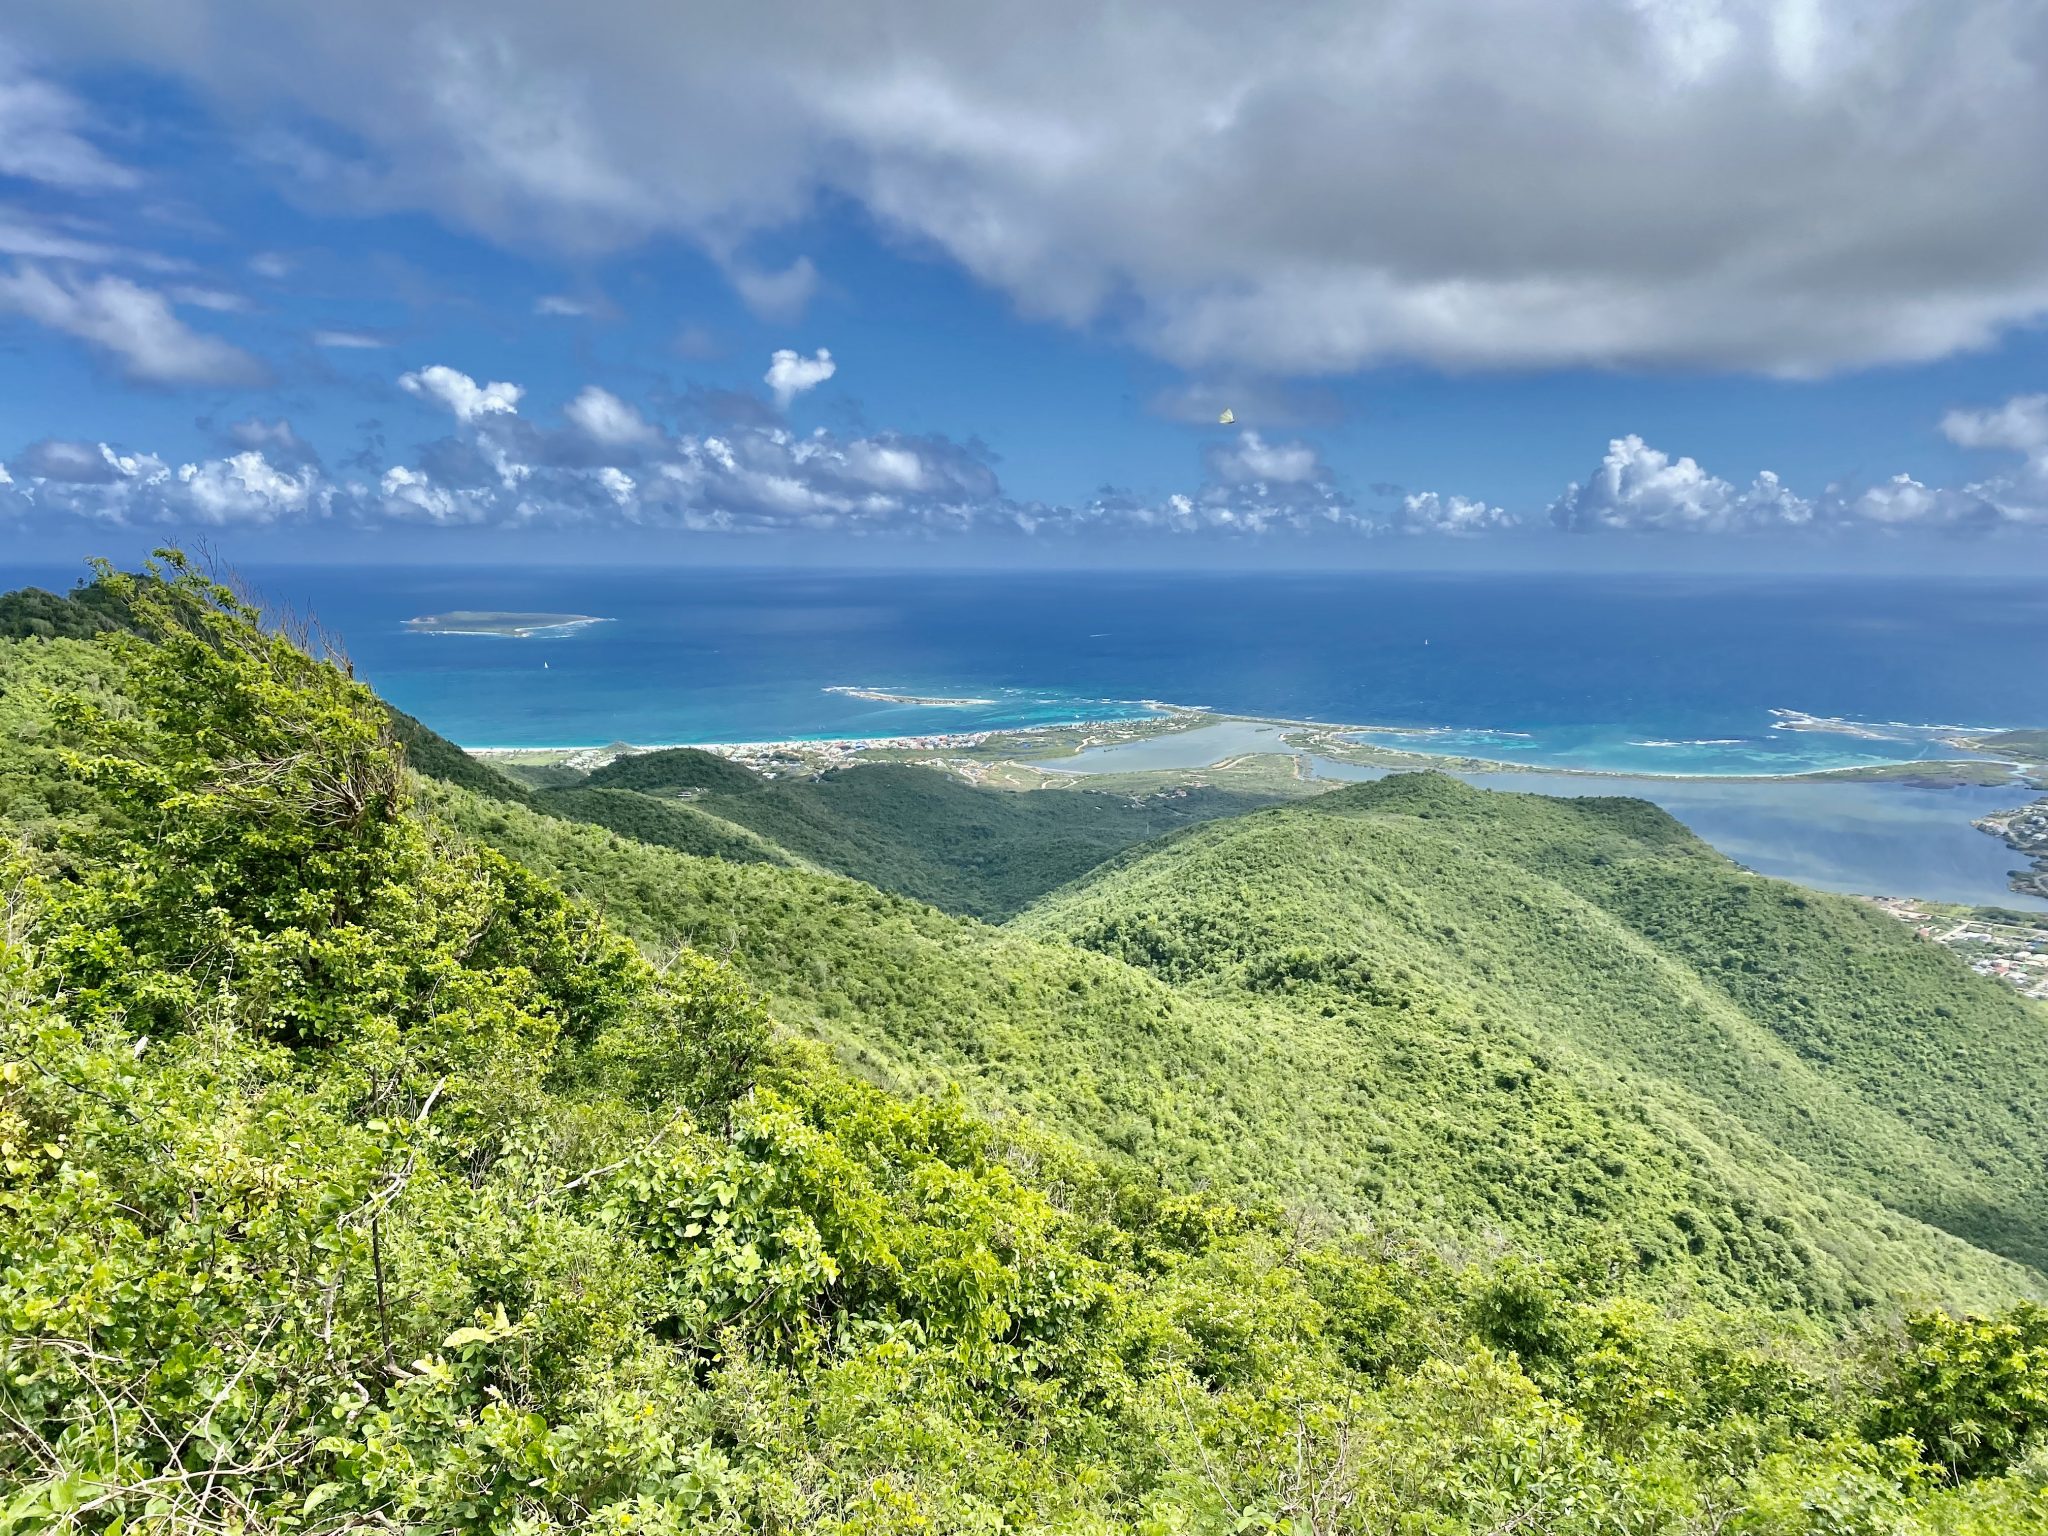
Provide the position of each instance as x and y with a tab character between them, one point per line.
1656	282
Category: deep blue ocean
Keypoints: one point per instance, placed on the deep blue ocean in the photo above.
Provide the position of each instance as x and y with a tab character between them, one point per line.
1628	674
1632	674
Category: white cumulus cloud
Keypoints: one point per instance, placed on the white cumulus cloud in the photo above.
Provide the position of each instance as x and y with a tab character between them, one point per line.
609	421
1645	489
790	373
1253	488
410	495
2020	424
460	395
1460	516
246	488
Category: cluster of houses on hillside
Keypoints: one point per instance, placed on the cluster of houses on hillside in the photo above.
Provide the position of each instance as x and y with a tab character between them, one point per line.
2015	952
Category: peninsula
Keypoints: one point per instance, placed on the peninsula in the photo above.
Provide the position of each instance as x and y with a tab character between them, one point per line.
2024	830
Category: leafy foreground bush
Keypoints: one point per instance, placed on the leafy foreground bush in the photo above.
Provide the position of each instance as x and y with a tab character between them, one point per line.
354	1178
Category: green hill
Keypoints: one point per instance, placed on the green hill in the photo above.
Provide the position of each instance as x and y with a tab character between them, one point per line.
428	751
32	613
675	770
1402	1104
983	852
664	823
1604	928
355	1174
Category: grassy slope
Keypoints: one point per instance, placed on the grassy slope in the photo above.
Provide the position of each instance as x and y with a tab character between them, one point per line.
1424	1109
1602	927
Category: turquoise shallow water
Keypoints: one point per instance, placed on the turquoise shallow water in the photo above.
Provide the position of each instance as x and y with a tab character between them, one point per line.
1670	675
1632	675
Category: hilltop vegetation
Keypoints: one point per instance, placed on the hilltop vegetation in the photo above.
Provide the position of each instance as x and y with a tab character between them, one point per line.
356	1174
1603	927
1417	1106
982	852
88	610
674	771
661	823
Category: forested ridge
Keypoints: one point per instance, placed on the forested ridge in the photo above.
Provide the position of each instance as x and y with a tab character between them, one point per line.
981	852
378	1150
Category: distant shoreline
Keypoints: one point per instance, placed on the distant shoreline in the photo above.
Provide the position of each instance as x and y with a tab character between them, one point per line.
1174	719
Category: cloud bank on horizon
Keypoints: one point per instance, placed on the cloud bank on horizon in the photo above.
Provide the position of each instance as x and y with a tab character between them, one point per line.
608	463
1261	199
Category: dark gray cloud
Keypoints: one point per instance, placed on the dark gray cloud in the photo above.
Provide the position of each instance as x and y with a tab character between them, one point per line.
1285	189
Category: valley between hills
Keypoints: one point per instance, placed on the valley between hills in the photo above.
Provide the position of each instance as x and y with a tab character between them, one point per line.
395	1142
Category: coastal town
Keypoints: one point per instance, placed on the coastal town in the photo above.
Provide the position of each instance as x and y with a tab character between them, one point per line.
2007	945
2024	830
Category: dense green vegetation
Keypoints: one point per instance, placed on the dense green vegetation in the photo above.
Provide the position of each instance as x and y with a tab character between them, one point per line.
428	751
675	770
983	852
1406	1103
88	610
541	775
660	822
1603	927
988	853
355	1174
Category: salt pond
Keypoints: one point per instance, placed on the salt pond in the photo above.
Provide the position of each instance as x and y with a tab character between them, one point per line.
1878	839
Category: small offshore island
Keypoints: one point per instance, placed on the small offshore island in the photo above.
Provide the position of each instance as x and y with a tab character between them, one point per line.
924	701
513	626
